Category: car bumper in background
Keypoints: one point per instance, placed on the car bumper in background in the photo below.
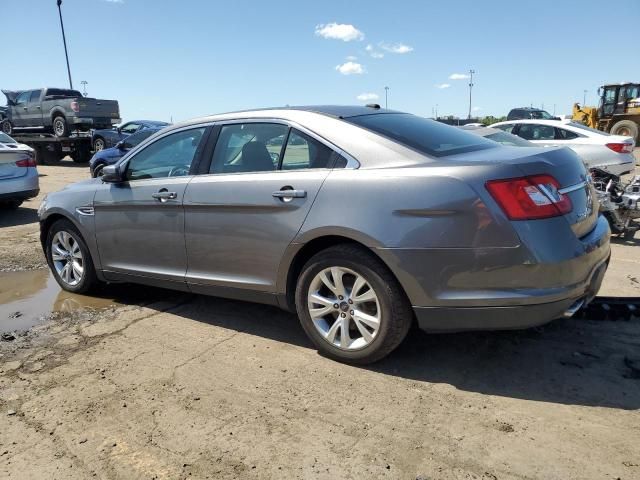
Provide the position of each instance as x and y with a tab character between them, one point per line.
22	195
20	188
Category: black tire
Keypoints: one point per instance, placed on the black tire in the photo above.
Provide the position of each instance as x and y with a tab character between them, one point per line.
627	128
89	279
98	144
396	313
97	170
60	127
7	127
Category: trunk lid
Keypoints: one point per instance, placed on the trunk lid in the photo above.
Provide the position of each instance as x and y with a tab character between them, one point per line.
8	159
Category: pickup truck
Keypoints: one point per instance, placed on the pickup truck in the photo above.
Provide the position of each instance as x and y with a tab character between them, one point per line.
57	110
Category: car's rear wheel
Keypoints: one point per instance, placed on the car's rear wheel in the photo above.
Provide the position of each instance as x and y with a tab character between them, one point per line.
351	306
60	128
69	258
98	144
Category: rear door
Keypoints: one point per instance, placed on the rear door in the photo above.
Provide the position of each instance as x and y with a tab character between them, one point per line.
242	215
34	109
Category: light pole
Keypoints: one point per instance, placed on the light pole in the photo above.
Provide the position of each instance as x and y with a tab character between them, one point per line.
471	72
84	87
64	40
584	97
386	97
436	111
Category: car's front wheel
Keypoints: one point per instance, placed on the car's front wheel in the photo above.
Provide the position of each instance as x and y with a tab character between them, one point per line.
351	306
69	258
7	127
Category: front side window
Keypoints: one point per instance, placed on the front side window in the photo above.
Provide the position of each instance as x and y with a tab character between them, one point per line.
248	147
426	136
23	98
531	131
304	151
169	156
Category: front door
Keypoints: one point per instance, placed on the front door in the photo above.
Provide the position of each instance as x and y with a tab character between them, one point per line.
140	221
241	217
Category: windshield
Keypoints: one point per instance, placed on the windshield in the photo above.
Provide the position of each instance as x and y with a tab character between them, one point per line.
4	138
426	136
137	138
507	139
588	129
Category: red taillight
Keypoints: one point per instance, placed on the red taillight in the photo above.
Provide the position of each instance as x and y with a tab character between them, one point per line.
621	147
529	198
27	162
75	107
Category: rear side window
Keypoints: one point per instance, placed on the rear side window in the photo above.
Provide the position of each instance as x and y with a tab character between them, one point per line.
305	152
35	96
566	134
426	136
531	131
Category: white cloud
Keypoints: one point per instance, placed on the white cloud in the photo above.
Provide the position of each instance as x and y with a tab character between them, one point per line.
373	52
442	85
458	76
396	47
367	96
352	58
339	31
350	68
114	1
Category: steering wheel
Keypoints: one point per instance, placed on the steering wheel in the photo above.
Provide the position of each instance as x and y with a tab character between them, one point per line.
180	171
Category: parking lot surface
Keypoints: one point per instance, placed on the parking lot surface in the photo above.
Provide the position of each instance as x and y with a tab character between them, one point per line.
146	383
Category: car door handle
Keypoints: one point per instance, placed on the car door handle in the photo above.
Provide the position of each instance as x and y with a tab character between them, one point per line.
164	195
290	194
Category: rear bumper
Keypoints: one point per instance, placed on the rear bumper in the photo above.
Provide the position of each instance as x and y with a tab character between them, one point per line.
23	195
503	288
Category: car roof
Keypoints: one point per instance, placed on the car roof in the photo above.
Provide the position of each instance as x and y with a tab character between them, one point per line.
529	109
566	122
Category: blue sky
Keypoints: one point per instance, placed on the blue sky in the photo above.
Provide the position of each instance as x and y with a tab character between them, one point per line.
180	59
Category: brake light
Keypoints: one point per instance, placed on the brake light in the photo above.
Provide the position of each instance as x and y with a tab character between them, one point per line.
621	147
74	106
27	162
530	198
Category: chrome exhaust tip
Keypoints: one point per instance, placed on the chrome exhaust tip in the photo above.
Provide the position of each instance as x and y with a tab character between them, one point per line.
570	312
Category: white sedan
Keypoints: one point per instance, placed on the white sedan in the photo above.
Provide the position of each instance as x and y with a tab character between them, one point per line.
612	153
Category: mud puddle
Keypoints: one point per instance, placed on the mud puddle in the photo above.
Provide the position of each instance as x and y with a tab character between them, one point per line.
28	298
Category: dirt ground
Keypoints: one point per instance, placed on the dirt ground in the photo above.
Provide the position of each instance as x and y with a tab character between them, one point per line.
168	385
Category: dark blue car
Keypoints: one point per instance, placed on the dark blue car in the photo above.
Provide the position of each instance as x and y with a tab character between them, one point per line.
109	137
109	156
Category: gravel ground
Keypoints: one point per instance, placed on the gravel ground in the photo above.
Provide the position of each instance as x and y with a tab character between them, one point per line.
197	387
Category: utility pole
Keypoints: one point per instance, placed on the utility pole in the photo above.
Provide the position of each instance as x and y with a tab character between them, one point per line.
471	72
436	111
64	40
386	97
584	97
554	109
84	87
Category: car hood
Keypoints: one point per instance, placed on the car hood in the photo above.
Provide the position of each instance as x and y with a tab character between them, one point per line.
81	185
112	153
11	96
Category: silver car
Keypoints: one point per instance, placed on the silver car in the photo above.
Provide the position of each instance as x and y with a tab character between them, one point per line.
18	173
361	220
611	153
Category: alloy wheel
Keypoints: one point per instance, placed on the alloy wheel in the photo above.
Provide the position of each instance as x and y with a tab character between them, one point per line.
67	258
344	308
98	145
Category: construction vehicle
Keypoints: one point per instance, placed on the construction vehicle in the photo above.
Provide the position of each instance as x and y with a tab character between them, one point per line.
618	112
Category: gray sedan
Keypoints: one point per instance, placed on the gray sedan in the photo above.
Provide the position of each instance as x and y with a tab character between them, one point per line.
361	220
18	172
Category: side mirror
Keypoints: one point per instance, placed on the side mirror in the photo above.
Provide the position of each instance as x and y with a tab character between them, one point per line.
121	145
111	174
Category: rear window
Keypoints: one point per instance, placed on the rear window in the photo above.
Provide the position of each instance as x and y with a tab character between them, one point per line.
507	139
426	136
63	93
